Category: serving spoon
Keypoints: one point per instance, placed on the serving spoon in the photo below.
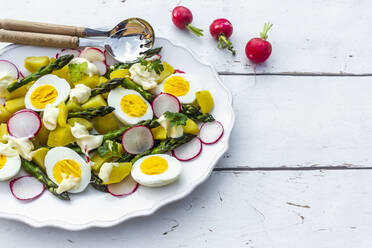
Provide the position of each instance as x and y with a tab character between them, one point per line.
125	42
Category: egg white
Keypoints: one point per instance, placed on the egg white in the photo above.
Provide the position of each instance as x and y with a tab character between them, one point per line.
11	168
60	153
114	100
189	97
169	176
60	84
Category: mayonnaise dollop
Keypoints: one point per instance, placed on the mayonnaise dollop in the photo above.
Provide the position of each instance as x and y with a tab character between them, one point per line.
23	146
105	171
50	117
68	183
172	132
147	79
85	141
80	93
91	70
5	79
7	150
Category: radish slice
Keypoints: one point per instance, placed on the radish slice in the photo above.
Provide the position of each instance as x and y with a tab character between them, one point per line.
65	51
188	151
109	59
165	102
24	123
154	57
2	101
9	67
92	54
137	139
101	66
178	71
26	188
126	187
211	132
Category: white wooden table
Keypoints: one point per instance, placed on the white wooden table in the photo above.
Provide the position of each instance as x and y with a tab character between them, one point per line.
298	173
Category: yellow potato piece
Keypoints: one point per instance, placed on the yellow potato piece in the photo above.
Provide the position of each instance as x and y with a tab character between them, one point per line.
38	157
4	114
120	73
32	64
102	80
168	70
14	105
159	133
3	131
62	114
91	82
98	160
94	102
81	121
105	124
205	101
73	106
191	127
41	138
119	172
20	92
61	136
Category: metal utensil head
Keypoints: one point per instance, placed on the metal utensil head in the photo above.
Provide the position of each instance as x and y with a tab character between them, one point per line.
130	39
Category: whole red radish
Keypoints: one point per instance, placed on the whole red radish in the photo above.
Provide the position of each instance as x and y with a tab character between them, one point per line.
221	29
182	18
258	50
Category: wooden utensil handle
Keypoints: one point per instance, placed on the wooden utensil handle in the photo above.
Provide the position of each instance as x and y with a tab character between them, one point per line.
37	39
39	27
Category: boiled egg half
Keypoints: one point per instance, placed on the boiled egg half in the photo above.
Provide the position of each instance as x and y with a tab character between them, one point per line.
156	170
9	166
62	163
48	89
130	106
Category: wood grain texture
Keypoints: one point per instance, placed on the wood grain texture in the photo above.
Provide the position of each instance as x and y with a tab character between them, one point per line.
41	27
324	209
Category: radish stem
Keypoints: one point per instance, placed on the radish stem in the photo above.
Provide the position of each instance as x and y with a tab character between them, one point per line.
197	31
266	29
223	42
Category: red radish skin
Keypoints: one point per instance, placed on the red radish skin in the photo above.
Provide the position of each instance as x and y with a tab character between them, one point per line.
93	54
7	66
211	132
182	18
19	124
258	50
126	187
188	151
130	135
178	71
165	102
65	51
16	192
221	29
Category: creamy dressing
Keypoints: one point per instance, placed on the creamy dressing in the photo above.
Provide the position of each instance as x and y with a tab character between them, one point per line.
5	79
147	79
85	141
172	132
7	150
80	93
91	70
23	146
68	183
105	171
50	117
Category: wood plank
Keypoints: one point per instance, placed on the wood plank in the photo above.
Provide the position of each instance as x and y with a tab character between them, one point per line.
300	121
322	209
311	36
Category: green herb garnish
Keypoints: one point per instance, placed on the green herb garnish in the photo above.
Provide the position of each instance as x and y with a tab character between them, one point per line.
176	119
77	71
155	65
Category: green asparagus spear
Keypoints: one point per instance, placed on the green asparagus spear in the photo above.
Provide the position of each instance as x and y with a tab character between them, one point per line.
126	157
97	183
129	84
92	112
166	146
36	172
118	133
107	86
193	112
56	65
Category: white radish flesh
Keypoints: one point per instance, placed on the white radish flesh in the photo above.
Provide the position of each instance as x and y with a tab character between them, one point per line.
165	102
109	59
26	188
92	54
101	66
9	67
137	139
188	151
64	51
126	187
211	132
24	124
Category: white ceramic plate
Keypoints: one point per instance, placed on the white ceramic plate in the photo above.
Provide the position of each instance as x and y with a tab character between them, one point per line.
95	209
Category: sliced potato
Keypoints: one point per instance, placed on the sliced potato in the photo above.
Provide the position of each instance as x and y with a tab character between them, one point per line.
159	133
4	114
191	127
81	121
38	157
105	124
15	104
205	101
61	136
120	73
62	114
33	64
94	102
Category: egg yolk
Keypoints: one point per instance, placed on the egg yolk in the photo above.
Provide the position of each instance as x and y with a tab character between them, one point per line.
133	105
43	95
2	161
176	86
68	167
154	165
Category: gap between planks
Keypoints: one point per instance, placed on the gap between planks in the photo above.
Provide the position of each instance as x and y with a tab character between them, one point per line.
242	169
296	74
